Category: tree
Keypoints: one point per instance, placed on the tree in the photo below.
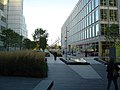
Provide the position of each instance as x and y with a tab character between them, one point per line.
20	41
32	44
43	43
112	33
11	39
28	44
40	36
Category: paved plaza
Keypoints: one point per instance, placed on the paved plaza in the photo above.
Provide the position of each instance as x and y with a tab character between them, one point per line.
65	77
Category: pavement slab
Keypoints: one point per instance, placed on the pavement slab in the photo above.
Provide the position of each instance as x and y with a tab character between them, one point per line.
78	77
18	83
86	71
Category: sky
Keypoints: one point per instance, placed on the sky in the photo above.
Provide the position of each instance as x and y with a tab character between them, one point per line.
49	15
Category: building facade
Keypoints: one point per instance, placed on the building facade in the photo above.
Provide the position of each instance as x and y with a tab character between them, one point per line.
3	20
11	16
15	18
85	27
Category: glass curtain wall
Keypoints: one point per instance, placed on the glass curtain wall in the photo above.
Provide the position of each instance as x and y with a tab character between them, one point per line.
87	23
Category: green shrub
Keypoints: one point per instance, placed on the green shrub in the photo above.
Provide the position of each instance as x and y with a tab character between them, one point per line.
23	63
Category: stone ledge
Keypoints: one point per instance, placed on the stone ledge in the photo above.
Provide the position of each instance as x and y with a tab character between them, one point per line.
44	85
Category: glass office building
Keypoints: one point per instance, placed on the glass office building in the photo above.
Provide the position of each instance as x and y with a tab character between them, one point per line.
84	29
3	22
11	16
15	18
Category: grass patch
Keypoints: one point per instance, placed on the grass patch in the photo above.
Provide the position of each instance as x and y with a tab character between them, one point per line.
23	63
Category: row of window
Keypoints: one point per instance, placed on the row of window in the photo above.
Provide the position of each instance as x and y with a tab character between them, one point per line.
86	33
108	2
84	8
1	6
82	22
92	18
78	25
86	21
113	15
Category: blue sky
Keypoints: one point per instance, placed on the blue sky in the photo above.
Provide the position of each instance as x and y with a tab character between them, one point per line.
47	14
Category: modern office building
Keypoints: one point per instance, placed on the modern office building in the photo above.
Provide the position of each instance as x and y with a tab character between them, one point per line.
3	19
85	27
11	16
15	18
24	30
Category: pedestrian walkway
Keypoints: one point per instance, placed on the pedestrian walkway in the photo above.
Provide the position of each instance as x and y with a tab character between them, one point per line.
65	77
77	77
86	72
18	83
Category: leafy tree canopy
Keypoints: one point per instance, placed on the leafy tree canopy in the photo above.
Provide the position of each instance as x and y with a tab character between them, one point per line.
112	33
40	36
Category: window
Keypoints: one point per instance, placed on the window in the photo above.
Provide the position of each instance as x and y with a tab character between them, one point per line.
83	23
113	2
93	4
87	33
1	6
103	2
3	19
87	1
96	15
103	13
87	21
113	15
87	9
96	3
90	21
93	18
82	35
93	31
89	6
103	27
80	25
90	32
97	29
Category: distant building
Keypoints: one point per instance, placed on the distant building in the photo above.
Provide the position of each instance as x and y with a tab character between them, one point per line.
84	29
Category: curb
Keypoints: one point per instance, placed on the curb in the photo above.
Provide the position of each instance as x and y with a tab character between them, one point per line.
74	63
